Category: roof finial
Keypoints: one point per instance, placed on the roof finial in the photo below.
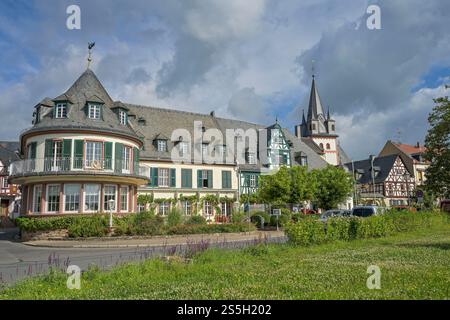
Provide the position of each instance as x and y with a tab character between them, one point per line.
276	119
89	59
313	68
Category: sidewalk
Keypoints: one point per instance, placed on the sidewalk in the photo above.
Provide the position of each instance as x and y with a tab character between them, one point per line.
156	241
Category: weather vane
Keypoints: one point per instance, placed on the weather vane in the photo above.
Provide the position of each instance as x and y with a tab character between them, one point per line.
90	46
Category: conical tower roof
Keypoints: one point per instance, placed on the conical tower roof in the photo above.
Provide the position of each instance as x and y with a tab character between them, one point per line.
88	86
315	105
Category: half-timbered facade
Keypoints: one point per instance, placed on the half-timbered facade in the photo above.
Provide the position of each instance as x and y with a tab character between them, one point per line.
383	181
9	193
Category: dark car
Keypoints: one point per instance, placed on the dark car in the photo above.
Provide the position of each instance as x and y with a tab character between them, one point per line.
366	211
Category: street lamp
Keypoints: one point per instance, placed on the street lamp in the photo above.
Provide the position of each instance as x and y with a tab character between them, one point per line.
110	207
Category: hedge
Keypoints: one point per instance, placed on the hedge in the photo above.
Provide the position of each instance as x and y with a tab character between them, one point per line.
312	231
210	228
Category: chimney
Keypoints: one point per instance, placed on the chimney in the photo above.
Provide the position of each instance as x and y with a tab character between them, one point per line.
418	144
213	113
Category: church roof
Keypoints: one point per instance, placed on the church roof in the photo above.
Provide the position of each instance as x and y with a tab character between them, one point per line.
8	152
315	105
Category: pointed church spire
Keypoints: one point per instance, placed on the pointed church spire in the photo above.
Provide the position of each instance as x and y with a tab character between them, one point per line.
328	113
303	117
315	105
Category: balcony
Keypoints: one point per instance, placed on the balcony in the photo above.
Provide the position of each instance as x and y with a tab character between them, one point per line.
76	166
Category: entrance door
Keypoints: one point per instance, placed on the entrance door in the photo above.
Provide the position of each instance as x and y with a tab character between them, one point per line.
4	208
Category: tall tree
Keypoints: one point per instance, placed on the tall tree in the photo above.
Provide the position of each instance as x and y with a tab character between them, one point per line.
437	143
276	188
304	185
334	186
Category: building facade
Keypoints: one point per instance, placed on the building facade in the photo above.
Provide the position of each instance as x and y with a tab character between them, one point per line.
9	193
383	181
87	153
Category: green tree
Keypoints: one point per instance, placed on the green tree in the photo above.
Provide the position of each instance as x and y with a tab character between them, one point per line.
437	143
303	185
276	188
334	186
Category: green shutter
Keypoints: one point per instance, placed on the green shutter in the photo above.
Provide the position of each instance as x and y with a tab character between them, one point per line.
78	154
199	179
48	154
32	154
186	178
210	179
136	160
224	177
108	155
154	177
67	154
101	112
173	177
118	157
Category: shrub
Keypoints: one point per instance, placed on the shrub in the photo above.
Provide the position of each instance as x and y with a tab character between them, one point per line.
238	217
306	232
32	224
147	223
174	218
283	219
197	219
93	226
210	228
338	229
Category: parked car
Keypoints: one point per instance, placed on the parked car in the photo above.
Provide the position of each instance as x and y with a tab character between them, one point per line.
334	213
445	205
367	211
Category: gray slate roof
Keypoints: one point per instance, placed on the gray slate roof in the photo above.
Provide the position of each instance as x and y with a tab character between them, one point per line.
8	152
86	88
364	167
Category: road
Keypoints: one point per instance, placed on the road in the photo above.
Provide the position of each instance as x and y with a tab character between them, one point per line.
18	261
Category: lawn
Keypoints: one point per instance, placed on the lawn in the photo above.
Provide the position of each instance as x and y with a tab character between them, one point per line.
414	265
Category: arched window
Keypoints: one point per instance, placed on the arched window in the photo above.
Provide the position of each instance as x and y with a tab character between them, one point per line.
328	146
321	146
333	127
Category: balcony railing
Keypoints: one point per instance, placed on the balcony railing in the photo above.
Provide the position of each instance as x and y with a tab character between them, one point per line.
65	165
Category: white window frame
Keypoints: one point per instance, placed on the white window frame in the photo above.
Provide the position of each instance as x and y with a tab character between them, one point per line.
252	182
164	208
94	111
187	208
126	159
161	145
35	204
105	195
163	179
251	158
184	148
61	111
65	197
85	195
96	155
5	183
122	117
47	194
207	209
127	194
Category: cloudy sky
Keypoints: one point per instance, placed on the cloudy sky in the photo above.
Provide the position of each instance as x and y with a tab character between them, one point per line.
247	60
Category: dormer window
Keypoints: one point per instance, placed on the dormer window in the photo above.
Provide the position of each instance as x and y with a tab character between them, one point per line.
123	117
94	111
251	158
61	110
161	145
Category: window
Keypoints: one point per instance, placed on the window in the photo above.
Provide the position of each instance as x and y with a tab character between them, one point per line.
187	207
208	209
164	208
251	158
56	159
313	126
204	150
53	198
94	111
124	198
141	207
162	145
122	117
61	110
328	146
37	198
5	183
94	153
71	197
333	127
126	159
163	177
225	208
109	194
222	150
253	180
184	148
321	146
204	179
91	197
303	160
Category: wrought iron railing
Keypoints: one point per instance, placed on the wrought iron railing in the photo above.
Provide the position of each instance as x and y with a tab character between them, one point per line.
62	165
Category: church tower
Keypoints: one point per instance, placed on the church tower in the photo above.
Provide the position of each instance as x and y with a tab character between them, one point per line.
319	127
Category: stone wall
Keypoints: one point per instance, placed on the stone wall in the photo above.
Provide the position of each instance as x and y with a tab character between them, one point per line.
45	235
